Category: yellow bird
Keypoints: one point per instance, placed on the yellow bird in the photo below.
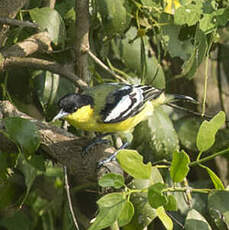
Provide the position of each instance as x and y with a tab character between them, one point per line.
113	107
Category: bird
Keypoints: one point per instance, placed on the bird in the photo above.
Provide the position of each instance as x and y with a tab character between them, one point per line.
113	107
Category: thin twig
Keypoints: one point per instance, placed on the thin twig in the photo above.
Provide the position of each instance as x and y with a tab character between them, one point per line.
219	79
104	66
69	198
208	158
15	22
175	220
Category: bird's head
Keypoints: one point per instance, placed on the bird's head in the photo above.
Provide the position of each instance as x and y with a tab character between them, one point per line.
70	103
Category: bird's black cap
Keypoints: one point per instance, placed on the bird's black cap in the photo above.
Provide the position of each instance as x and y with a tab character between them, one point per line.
71	102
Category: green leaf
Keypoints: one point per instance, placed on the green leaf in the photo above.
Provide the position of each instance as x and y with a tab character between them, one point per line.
115	15
218	205
215	179
16	221
172	42
155	195
197	56
23	132
187	129
195	221
10	192
171	204
142	211
124	50
110	207
30	173
49	88
112	180
189	14
209	22
50	20
222	16
179	167
206	135
126	214
156	138
165	219
132	163
7	161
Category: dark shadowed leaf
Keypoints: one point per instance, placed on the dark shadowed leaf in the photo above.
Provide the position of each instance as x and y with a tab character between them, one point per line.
218	205
171	204
19	220
155	195
187	129
23	132
195	221
115	16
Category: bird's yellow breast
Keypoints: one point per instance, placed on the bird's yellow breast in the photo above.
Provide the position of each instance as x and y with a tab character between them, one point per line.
85	119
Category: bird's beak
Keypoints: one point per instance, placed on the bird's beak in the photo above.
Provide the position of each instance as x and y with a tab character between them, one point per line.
61	114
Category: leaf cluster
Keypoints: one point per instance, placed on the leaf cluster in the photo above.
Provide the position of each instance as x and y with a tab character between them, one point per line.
161	198
143	41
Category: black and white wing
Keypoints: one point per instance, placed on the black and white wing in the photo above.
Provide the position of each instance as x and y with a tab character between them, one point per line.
127	101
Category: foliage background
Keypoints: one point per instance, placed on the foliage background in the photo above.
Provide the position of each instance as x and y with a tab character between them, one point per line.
178	45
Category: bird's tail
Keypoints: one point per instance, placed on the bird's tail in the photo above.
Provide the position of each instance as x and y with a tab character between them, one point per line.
171	98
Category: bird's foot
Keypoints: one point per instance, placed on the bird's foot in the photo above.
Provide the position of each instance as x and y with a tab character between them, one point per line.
111	157
95	141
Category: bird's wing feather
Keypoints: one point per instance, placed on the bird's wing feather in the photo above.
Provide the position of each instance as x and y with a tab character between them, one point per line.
127	101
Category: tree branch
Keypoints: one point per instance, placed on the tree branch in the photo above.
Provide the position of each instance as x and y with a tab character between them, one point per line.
63	147
38	42
7	63
99	62
15	22
82	41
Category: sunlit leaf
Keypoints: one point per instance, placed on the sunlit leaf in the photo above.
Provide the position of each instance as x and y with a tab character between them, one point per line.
165	219
189	14
110	207
112	180
50	20
126	214
215	179
132	163
206	135
179	167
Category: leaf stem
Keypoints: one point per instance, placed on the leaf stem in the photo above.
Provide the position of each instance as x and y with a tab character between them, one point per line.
188	189
194	163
